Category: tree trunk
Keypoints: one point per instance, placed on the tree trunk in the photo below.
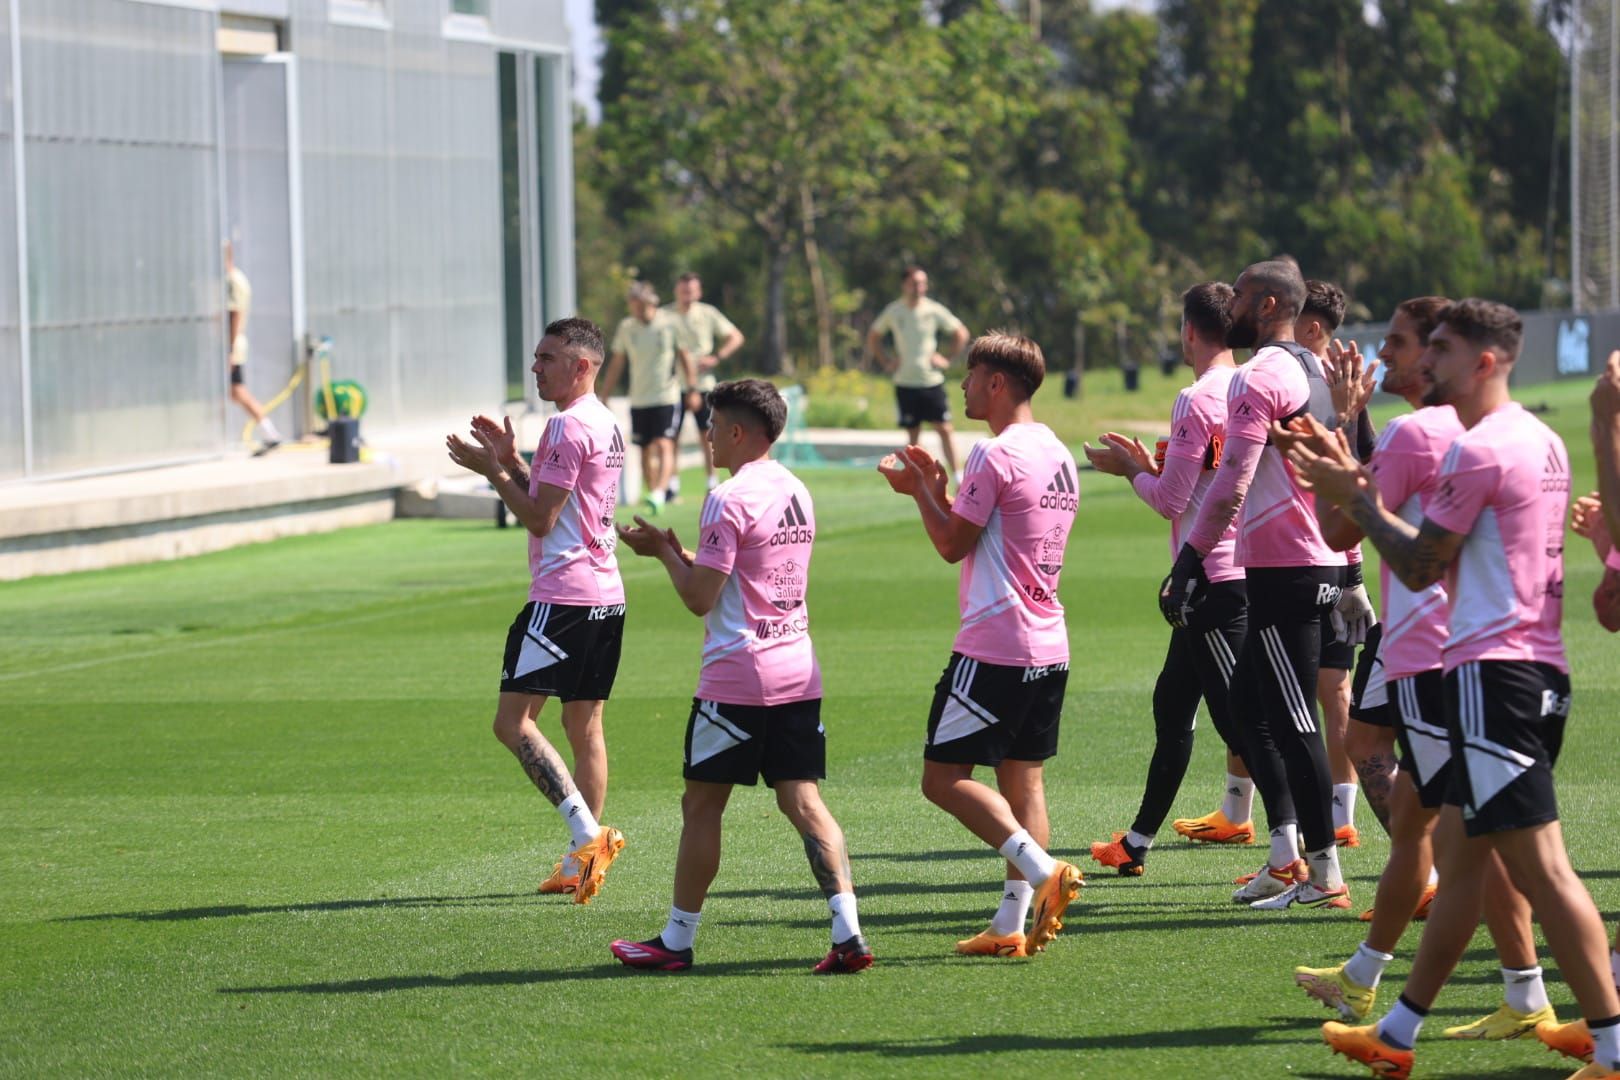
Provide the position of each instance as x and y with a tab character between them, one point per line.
818	282
775	359
1079	355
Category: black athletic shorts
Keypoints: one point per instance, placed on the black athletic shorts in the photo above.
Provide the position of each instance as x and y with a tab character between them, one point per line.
704	417
1418	706
1506	722
739	744
921	405
984	713
1369	690
1338	655
652	422
238	374
571	653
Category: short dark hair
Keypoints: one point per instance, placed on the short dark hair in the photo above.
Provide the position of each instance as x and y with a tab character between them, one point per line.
1424	311
1207	308
689	275
753	399
1486	323
1281	279
1324	300
1014	355
581	334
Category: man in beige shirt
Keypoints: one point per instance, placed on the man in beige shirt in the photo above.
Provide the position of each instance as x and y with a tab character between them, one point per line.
710	339
918	365
663	382
238	302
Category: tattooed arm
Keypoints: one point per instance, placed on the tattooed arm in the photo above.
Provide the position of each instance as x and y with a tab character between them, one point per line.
1417	557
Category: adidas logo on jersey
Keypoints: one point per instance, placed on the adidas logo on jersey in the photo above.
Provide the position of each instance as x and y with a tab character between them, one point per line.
615	455
794	526
1064	493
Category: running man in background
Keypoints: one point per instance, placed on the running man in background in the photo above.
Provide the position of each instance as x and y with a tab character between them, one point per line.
1322	315
565	642
1405	467
999	702
710	339
1494	528
1200	658
757	712
238	305
919	325
663	382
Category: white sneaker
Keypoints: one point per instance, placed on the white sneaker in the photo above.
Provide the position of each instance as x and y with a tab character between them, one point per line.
1305	894
1271	881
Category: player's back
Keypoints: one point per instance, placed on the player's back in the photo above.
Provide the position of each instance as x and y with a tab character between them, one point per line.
1021	487
1198	431
758	527
1508	477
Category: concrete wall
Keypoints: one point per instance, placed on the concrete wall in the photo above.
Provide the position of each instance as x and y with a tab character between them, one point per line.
1557	344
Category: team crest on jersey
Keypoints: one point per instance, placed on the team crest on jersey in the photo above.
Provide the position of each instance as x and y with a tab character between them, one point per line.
610	499
787	585
1049	552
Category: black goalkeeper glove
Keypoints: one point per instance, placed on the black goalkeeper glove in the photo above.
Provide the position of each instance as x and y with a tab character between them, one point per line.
1184	590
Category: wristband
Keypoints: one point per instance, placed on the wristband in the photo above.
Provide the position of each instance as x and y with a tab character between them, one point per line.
1353	578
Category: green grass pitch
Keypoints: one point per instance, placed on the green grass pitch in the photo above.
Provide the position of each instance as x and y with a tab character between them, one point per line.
253	822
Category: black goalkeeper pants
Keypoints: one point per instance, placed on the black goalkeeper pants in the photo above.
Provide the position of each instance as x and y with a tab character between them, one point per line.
1198	666
1274	696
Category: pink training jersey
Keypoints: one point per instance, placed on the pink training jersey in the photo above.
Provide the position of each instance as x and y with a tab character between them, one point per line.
1277	523
581	452
1505	486
1611	561
1406	467
757	528
1197	436
1021	488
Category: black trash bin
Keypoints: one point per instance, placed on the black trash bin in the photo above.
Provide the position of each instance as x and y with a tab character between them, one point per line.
1133	378
344	433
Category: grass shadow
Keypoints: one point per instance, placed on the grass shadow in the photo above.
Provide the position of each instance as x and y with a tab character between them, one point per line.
229	911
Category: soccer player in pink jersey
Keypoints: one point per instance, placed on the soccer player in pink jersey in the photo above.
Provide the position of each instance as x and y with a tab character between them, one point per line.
1322	314
1200	658
1293	579
757	712
1405	467
1494	530
565	642
1000	700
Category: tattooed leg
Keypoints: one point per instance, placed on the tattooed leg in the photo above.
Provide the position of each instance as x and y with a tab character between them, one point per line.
544	766
1372	748
824	844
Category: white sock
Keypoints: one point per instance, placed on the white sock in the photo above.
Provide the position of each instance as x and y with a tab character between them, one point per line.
570	866
1324	866
1344	805
268	426
1014	909
1284	845
581	822
1139	840
657	497
674	485
1614	966
1400	1028
1238	805
681	929
845	923
1366	967
1525	991
1023	852
1606	1045
1434	879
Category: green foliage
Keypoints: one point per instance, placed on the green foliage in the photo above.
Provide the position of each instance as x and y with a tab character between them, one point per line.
1070	185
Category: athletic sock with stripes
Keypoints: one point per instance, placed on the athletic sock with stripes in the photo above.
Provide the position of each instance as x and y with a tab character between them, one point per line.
581	822
1023	852
1238	805
1400	1028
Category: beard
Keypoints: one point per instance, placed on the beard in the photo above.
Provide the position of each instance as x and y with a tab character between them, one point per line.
1242	335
